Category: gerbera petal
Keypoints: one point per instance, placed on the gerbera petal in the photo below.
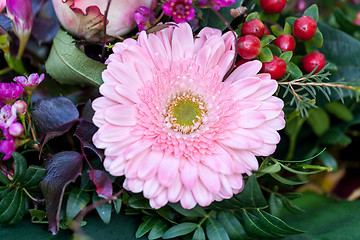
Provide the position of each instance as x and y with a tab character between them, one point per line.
121	115
174	190
243	139
209	178
248	69
187	200
202	195
150	164
189	175
257	118
168	169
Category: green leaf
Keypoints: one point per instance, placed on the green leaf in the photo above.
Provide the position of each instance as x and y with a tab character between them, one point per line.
318	39
275	204
266	40
287	29
20	167
268	168
76	202
20	211
4	190
286	56
67	64
232	226
210	19
254	227
215	231
275	29
313	12
287	181
145	226
9	205
199	234
37	216
117	205
252	16
158	230
251	196
335	136
345	22
340	111
275	50
274	224
197	211
33	176
137	201
328	160
299	172
104	210
294	70
3	178
319	121
180	230
265	55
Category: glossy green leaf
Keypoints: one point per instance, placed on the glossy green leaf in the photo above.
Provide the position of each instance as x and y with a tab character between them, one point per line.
145	226
267	168
265	54
275	29
158	230
313	12
9	205
20	167
252	16
76	202
275	204
254	227
3	178
286	56
199	234
341	111
20	211
335	136
232	226
37	216
138	201
287	29
319	121
328	160
67	64
294	70
33	176
117	205
104	210
287	181
345	22
266	40
215	231
4	190
180	230
251	196
318	39
197	211
275	50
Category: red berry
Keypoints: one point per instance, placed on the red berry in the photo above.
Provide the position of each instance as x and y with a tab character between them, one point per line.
285	42
267	31
248	46
304	28
241	62
276	68
253	27
312	60
272	6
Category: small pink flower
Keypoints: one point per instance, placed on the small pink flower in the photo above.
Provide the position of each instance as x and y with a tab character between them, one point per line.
32	81
21	107
7	147
9	92
217	4
172	125
180	10
144	18
16	129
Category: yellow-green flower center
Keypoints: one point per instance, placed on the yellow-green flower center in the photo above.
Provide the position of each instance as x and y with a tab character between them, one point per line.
185	112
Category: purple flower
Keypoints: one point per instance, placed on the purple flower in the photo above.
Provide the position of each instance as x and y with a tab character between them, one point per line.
20	12
180	10
9	92
7	116
217	4
32	81
144	18
7	147
16	129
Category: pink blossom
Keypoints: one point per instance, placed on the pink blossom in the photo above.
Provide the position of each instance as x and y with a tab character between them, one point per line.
85	19
217	4
16	129
180	10
7	147
144	18
9	92
20	106
171	125
32	81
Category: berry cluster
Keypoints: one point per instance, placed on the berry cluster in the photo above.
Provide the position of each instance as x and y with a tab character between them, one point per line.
276	52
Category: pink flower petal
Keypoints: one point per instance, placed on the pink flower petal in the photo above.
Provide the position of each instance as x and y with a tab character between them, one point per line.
168	169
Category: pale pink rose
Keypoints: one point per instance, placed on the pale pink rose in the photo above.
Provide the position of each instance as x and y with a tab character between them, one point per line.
171	125
85	18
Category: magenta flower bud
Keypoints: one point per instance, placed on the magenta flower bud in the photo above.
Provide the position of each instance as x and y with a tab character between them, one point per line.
16	129
85	19
7	147
21	107
180	10
32	81
20	12
223	3
9	92
144	18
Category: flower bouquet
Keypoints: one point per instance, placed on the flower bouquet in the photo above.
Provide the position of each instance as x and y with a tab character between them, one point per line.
179	119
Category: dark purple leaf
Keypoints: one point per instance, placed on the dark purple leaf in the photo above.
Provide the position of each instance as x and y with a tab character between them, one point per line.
44	30
62	168
102	182
84	132
6	23
52	114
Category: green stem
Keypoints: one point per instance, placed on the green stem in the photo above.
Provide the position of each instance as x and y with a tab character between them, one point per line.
206	217
29	195
5	70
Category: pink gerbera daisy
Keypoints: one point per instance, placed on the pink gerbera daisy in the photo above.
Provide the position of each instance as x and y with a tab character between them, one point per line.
173	127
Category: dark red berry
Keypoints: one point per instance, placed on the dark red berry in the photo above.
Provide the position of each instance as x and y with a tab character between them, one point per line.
304	28
312	60
272	6
241	62
253	27
285	42
248	46
276	68
267	31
